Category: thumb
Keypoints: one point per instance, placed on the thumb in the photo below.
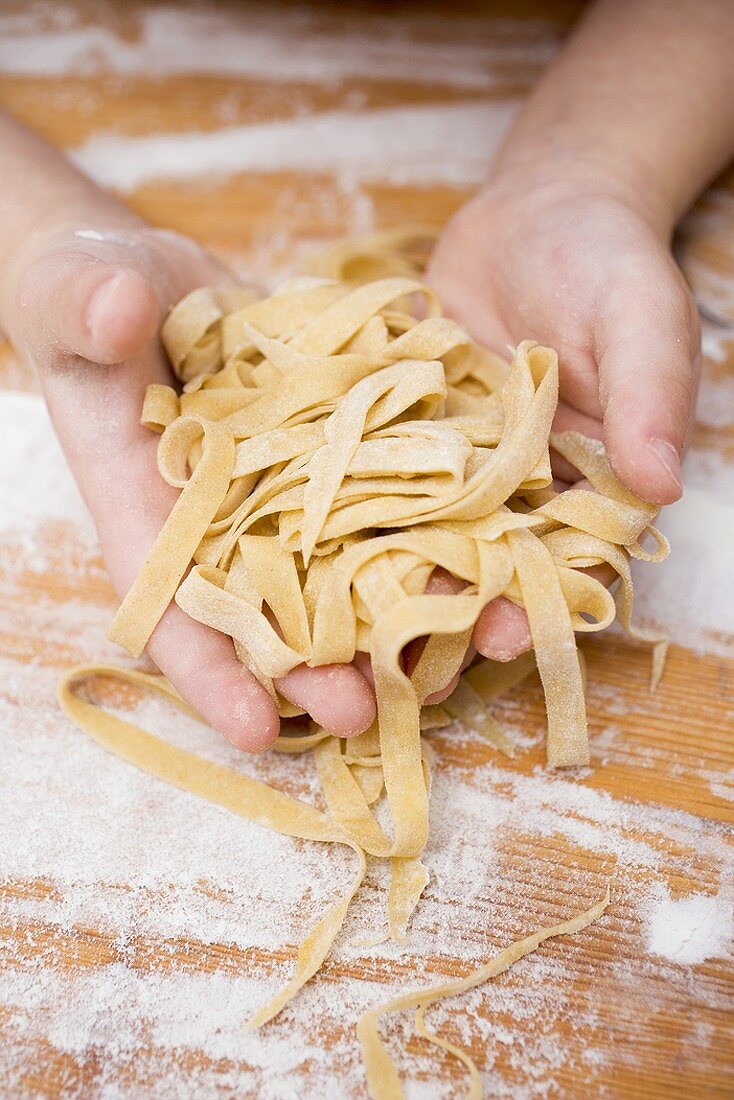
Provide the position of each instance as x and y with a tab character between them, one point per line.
73	303
648	370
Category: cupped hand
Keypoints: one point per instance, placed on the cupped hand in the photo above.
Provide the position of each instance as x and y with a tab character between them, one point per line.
587	276
87	311
588	273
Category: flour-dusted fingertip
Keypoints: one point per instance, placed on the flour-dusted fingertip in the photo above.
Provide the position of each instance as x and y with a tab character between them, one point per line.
255	724
337	696
73	305
202	665
502	631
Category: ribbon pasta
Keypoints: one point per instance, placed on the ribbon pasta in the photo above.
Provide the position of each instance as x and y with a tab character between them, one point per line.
334	443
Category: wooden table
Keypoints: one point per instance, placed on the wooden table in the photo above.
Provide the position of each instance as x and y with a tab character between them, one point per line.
306	97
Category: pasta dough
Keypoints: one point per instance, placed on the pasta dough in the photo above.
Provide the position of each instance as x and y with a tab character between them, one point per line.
334	443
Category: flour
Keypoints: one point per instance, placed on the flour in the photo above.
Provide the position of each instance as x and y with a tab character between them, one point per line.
724	786
450	144
692	596
712	219
715	407
291	43
161	877
716	341
32	466
692	929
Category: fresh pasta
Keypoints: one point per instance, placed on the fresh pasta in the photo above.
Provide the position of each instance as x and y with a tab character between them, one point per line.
334	444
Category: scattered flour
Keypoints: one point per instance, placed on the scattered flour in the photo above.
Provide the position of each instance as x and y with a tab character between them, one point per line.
160	878
723	787
715	407
716	342
450	144
291	43
712	219
691	596
692	929
33	468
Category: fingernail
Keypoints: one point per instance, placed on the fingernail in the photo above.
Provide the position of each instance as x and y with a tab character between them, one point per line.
99	301
668	457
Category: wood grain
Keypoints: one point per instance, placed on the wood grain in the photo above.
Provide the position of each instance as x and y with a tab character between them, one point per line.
662	764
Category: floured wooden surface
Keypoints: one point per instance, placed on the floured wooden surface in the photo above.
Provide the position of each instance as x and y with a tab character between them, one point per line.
139	927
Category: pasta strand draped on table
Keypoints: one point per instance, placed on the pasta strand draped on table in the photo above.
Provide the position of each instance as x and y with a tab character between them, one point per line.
334	443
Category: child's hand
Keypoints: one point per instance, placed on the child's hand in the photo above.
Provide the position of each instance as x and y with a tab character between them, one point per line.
589	275
87	310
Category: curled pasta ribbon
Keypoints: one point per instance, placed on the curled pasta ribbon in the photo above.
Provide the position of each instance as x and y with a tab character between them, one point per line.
382	1076
334	444
224	787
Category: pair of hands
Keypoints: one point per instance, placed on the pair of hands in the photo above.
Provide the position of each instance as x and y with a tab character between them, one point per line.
584	272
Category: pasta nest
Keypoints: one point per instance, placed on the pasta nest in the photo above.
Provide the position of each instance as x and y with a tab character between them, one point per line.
334	443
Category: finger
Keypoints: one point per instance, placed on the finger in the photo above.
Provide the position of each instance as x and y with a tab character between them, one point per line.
203	666
440	582
338	697
649	359
502	631
73	303
130	504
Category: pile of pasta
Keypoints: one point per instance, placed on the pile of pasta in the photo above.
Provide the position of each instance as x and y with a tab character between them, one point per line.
334	443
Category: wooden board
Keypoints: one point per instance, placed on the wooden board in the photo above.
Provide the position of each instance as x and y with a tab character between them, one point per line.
602	1014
